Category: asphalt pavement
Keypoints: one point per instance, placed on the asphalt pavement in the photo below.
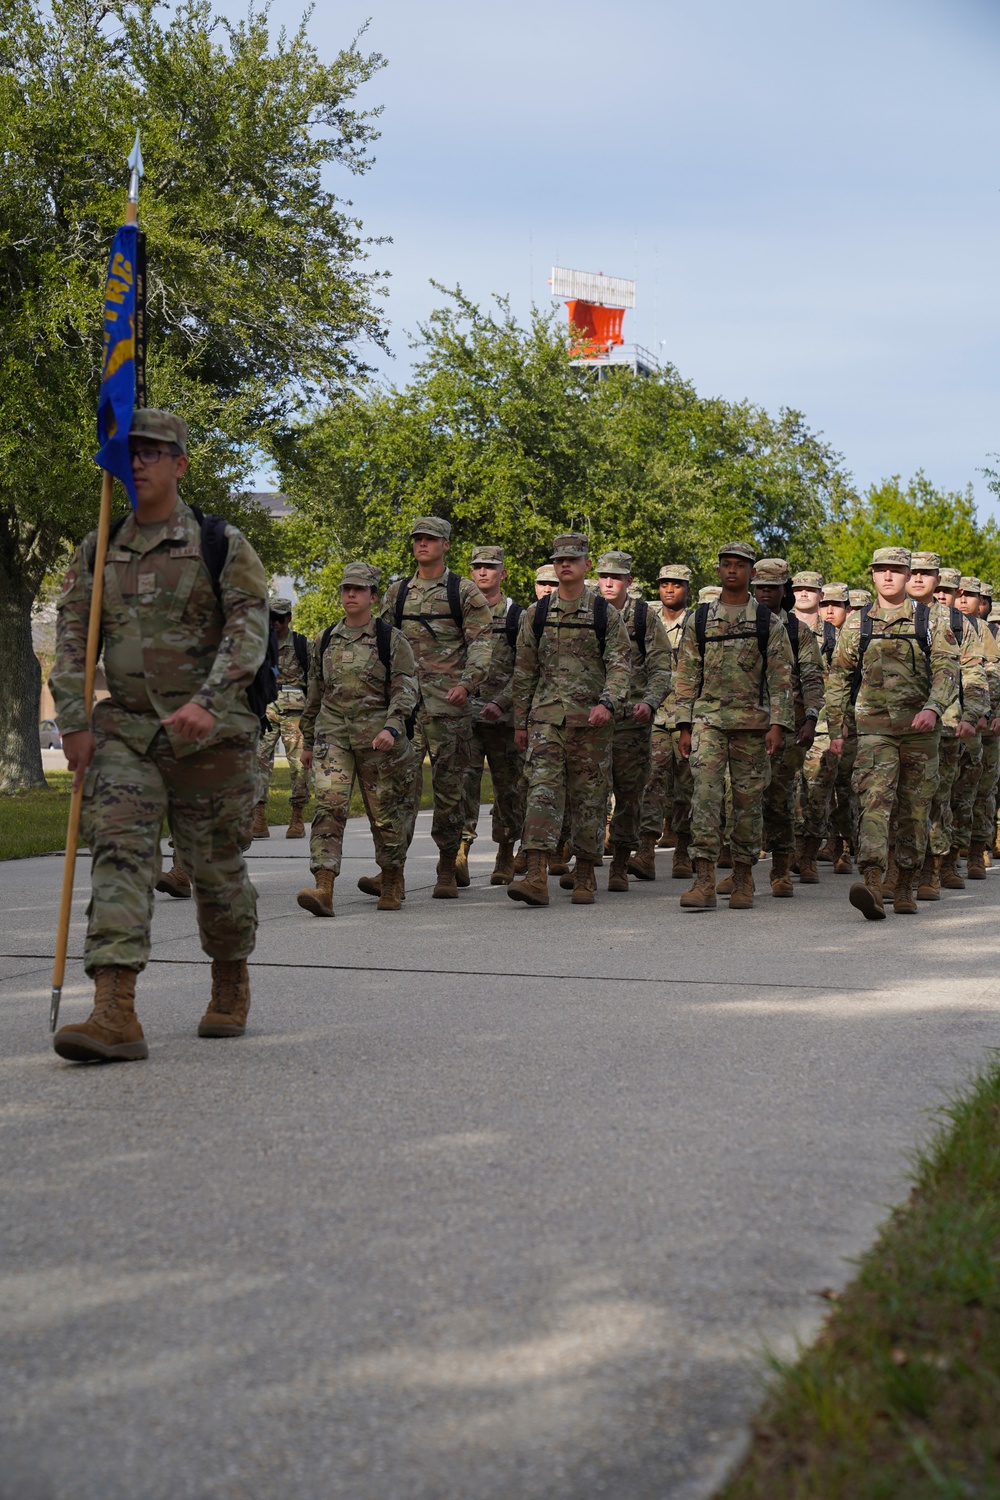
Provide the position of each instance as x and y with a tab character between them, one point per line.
490	1202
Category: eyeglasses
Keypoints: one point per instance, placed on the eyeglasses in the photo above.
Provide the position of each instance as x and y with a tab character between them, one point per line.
149	456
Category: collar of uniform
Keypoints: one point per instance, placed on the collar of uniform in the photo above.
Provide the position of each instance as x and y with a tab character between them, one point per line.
174	529
416	582
717	605
903	611
568	606
347	631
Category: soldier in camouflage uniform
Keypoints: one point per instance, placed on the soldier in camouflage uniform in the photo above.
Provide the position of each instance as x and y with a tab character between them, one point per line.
493	728
448	625
984	812
354	725
282	722
815	778
903	694
770	584
175	738
832	799
630	752
546	580
738	700
568	685
667	794
973	759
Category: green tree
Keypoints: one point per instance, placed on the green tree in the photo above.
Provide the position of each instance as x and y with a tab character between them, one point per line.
258	288
917	516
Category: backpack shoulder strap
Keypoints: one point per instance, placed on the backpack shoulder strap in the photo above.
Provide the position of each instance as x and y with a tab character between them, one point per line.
540	616
763	624
922	626
301	648
641	616
701	627
793	635
403	590
383	645
829	640
323	643
601	621
214	546
512	623
864	636
453	586
957	623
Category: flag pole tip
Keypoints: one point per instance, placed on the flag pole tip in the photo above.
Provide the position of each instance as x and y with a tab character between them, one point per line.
54	1006
135	155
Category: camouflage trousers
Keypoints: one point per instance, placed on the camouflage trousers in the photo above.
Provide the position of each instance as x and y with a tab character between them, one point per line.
963	793
949	751
283	725
819	778
742	753
494	745
984	812
668	789
779	795
630	764
385	781
207	799
569	772
900	769
844	812
448	744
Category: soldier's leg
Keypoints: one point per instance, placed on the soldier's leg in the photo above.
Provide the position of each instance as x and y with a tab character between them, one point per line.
124	802
876	772
265	752
386	781
941	826
779	798
588	779
630	765
747	772
506	765
334	768
291	738
449	744
983	811
918	772
709	759
472	783
963	793
657	794
819	773
680	816
846	802
545	768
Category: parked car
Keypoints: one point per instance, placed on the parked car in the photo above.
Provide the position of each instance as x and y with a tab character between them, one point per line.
48	734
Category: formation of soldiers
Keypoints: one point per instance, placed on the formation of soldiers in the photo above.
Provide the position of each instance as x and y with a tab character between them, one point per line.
776	715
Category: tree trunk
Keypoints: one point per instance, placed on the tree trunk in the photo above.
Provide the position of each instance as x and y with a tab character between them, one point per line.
20	688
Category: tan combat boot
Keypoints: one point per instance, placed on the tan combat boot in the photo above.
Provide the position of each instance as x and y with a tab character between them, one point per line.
559	863
566	879
230	1002
111	1033
584	883
826	854
503	868
446	888
533	890
521	861
701	896
903	903
296	828
319	898
951	880
620	866
682	866
975	865
643	862
781	884
370	884
175	882
889	879
808	873
843	864
929	884
391	897
725	859
793	863
723	887
866	894
462	876
996	843
741	897
667	838
260	829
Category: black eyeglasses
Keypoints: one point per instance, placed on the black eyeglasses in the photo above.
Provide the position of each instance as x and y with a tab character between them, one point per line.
149	456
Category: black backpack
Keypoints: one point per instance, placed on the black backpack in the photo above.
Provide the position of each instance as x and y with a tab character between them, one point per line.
453	585
829	641
761	629
301	647
921	633
214	551
512	624
383	645
640	616
599	626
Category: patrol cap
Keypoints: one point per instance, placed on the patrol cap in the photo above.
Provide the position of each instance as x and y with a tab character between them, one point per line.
857	597
969	585
986	590
770	570
949	578
361	574
162	426
570	544
431	526
280	606
674	573
487	557
995	612
807	581
546	574
836	593
619	563
738	549
926	562
709	593
635	591
891	557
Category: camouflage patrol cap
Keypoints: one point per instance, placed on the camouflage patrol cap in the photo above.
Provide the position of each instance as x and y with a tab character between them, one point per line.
619	563
891	557
807	581
359	574
546	574
570	544
635	591
674	573
836	593
738	549
431	526
279	605
986	590
162	426
487	557
709	593
995	612
925	562
770	570
969	585
857	597
949	578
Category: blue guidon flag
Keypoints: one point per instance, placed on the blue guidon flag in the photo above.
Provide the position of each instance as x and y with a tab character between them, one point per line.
118	376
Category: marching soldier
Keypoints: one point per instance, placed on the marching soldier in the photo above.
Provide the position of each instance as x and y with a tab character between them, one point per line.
546	580
493	728
176	737
857	599
899	663
357	723
733	703
667	795
282	722
831	778
571	676
630	755
972	759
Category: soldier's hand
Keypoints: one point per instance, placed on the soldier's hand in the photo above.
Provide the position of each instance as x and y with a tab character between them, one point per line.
837	747
191	722
79	748
773	739
521	739
684	744
995	727
806	734
981	726
306	760
383	740
963	729
642	713
599	716
492	712
925	720
458	696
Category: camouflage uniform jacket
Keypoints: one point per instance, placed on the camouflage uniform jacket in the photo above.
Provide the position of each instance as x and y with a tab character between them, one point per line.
650	681
167	639
346	698
726	691
976	689
991	652
809	676
898	680
445	656
496	685
560	678
290	674
664	717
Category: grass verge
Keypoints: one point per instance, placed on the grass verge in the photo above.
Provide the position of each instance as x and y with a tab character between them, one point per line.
899	1396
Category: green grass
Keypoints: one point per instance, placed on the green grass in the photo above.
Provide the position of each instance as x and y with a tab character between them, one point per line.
899	1396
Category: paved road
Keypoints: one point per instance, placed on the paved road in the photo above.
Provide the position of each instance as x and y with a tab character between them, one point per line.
492	1203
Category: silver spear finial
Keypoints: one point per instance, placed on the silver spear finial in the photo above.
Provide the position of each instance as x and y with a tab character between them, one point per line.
135	164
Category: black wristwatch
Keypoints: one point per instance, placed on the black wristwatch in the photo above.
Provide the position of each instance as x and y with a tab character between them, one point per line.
393	732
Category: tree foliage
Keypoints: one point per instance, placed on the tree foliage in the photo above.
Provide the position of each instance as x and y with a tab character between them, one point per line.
917	516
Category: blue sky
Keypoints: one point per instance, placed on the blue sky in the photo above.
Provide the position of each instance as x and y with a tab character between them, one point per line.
808	194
